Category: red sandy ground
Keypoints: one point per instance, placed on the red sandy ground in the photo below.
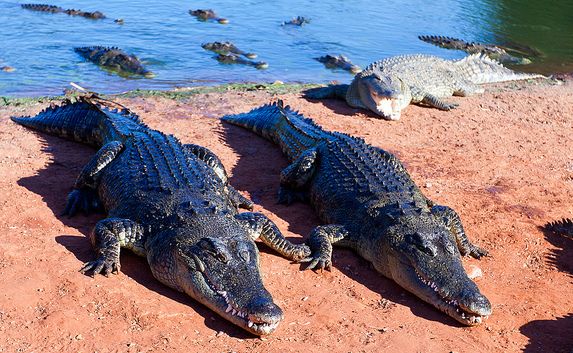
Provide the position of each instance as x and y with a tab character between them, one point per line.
503	160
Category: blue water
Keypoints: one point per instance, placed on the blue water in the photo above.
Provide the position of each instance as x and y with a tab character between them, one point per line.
40	45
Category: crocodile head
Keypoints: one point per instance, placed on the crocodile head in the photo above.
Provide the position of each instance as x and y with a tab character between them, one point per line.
129	64
423	257
217	264
384	95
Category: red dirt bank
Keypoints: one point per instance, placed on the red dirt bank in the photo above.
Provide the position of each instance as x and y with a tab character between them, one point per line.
503	160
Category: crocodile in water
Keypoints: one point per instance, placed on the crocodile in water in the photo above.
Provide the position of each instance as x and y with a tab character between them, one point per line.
172	204
96	15
115	59
296	21
231	58
204	15
390	85
226	48
370	204
495	52
339	62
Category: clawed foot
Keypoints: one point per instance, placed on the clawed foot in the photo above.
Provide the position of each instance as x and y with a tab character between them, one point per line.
477	252
104	265
317	262
85	200
450	106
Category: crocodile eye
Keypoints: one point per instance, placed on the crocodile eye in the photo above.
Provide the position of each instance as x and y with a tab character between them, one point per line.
245	255
422	244
214	249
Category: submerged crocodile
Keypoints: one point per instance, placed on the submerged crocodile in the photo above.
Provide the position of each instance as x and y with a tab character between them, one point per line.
492	51
96	15
339	62
226	48
172	204
296	21
115	59
231	58
562	227
390	85
370	204
204	15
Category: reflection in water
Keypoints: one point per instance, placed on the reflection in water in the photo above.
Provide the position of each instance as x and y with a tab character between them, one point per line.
168	39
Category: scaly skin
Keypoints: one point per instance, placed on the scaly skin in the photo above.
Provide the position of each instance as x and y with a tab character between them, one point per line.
339	62
204	15
369	203
96	15
172	204
114	59
492	51
231	58
390	85
226	48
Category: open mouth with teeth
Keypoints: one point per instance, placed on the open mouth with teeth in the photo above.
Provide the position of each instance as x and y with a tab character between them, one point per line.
389	108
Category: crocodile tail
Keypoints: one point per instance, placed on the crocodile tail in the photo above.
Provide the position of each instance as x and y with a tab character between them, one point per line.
330	91
478	68
81	120
290	130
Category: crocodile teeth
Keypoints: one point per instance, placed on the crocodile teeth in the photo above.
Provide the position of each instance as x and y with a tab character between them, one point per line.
229	308
250	324
222	292
234	312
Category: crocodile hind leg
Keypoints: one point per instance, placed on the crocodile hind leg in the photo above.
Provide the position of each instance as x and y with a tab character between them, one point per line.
108	237
320	242
467	89
296	176
259	226
238	199
452	221
84	196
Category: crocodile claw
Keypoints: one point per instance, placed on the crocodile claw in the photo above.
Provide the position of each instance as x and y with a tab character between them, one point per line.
317	263
102	265
85	200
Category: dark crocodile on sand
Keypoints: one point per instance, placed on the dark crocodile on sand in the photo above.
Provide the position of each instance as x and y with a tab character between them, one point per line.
339	62
226	48
204	15
115	59
231	58
495	52
369	203
96	15
171	203
562	227
296	21
390	85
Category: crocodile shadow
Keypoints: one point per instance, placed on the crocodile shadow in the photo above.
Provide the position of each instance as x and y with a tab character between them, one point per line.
549	335
340	107
257	171
55	181
559	258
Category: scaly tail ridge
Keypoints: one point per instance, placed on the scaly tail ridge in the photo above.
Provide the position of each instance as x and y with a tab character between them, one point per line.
478	68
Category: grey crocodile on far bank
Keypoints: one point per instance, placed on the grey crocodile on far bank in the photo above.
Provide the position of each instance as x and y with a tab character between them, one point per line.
231	58
208	14
171	203
96	15
226	48
390	85
339	62
369	203
115	59
495	52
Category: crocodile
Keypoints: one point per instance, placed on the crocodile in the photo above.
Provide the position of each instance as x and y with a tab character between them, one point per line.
171	203
96	15
296	21
231	58
387	86
369	203
204	15
115	59
226	48
562	227
339	62
495	52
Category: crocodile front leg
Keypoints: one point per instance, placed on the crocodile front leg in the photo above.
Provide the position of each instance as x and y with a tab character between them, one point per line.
84	196
296	176
108	237
320	242
209	158
453	222
436	102
259	226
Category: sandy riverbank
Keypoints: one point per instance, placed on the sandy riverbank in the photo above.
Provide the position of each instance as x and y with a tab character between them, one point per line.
503	160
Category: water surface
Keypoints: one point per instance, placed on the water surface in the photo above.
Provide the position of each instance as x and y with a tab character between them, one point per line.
168	39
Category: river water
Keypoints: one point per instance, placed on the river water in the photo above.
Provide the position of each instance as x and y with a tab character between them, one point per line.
40	45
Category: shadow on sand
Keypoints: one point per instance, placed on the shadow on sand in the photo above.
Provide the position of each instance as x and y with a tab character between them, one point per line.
257	171
55	181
